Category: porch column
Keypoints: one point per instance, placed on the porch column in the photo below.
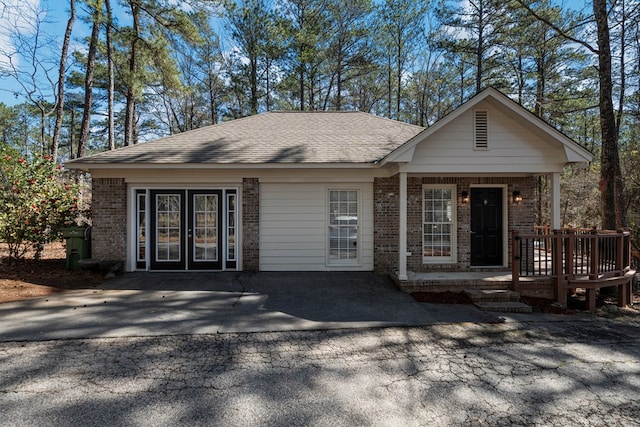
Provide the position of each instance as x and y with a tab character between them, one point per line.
555	201
402	250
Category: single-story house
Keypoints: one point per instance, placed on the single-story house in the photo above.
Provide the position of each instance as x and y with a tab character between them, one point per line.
329	191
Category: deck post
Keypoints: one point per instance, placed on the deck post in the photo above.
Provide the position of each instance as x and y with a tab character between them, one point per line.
556	256
595	255
402	250
570	257
515	261
620	252
555	201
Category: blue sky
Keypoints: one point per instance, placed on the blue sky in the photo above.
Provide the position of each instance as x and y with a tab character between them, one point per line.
20	13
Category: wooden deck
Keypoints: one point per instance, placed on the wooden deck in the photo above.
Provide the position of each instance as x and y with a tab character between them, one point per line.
570	259
547	264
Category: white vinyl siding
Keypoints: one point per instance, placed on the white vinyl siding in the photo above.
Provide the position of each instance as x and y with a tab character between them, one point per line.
514	148
294	227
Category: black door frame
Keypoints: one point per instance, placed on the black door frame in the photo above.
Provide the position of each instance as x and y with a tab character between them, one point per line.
487	226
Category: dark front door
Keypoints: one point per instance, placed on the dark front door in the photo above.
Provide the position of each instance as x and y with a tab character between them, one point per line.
486	226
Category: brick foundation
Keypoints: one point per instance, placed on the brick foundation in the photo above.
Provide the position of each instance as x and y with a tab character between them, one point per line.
109	218
250	224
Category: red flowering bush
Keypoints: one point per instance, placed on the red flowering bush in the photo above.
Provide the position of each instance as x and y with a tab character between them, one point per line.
35	203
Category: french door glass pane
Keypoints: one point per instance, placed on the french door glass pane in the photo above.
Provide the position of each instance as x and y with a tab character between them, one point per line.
231	227
142	227
205	232
168	232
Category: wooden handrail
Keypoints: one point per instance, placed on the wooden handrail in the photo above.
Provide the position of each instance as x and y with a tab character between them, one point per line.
575	254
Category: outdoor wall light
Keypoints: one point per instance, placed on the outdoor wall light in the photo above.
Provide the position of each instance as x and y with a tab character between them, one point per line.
517	197
464	197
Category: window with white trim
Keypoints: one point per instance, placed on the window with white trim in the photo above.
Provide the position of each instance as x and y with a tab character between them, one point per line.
343	226
439	223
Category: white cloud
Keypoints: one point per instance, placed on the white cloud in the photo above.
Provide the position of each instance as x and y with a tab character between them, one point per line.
16	17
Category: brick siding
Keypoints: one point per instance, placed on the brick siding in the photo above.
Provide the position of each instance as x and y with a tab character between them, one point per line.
386	223
386	219
250	224
109	219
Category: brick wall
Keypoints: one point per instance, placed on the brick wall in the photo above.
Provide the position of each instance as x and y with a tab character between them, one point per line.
386	219
109	219
386	223
250	224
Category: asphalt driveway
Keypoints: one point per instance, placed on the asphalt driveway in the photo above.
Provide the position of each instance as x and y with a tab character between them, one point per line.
153	304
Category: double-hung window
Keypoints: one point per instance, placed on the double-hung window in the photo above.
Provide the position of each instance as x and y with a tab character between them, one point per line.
439	223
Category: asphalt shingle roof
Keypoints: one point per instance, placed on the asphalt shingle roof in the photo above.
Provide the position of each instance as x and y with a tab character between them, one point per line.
273	137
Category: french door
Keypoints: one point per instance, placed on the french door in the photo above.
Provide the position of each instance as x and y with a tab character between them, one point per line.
186	229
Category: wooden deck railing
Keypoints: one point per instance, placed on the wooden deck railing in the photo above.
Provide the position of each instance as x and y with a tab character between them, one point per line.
573	258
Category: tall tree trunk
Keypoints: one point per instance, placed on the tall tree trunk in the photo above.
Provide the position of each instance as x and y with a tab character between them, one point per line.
268	83
130	112
339	76
301	78
622	84
399	76
540	88
61	76
253	102
43	125
111	78
480	51
85	126
213	107
389	84
611	186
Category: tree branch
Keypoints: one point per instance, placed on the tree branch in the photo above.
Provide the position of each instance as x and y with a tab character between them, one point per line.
556	28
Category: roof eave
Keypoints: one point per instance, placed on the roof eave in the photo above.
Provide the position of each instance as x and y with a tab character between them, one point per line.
94	166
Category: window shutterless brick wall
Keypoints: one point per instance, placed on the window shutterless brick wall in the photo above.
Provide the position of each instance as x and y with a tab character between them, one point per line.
386	219
250	224
109	219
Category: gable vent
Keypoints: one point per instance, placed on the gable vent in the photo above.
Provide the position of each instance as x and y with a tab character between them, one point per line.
481	141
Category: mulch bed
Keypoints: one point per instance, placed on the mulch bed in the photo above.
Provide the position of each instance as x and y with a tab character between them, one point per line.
29	278
544	305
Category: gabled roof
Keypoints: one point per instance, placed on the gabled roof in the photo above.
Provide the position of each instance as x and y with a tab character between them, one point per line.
269	138
575	153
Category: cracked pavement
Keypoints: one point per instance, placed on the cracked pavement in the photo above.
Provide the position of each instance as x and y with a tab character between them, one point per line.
585	371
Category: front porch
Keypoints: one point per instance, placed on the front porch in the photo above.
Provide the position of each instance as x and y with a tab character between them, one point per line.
547	265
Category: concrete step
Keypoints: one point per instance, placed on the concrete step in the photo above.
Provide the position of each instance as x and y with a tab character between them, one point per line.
494	295
504	306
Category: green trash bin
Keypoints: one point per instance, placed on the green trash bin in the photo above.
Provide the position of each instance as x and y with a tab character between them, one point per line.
78	245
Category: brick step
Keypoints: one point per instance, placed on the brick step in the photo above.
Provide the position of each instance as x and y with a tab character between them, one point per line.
494	295
452	286
504	306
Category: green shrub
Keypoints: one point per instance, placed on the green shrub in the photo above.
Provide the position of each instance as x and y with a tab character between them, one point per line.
35	203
